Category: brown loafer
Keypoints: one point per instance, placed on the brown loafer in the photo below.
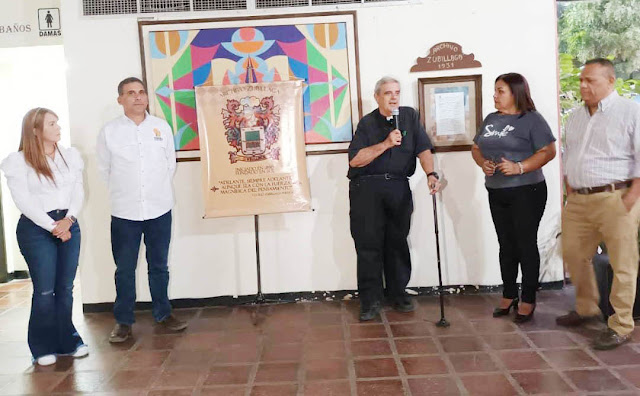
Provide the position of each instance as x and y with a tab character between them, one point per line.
172	323
120	333
573	319
610	340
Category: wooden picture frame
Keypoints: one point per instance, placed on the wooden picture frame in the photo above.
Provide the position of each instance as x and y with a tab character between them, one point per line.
332	104
451	110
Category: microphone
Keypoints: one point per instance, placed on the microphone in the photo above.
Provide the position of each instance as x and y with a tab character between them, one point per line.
395	113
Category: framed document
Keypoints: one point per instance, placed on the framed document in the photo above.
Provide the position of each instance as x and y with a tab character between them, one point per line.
451	110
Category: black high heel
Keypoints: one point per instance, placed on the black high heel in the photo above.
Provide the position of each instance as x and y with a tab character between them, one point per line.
505	311
524	318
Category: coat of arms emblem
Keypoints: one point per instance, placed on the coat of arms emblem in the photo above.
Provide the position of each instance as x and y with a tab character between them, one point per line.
252	128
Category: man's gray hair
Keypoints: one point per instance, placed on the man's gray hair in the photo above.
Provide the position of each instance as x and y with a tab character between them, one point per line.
382	81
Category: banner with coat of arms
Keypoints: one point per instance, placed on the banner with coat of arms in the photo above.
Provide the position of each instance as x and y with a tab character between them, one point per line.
252	148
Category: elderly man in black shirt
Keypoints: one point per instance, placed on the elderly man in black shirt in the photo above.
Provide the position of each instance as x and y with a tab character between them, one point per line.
381	159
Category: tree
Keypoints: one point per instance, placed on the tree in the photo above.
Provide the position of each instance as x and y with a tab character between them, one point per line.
604	28
594	29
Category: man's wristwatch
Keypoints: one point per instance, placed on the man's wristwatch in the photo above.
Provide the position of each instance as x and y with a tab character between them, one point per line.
72	219
434	174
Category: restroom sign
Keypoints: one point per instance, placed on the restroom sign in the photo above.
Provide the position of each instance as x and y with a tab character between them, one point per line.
49	21
30	23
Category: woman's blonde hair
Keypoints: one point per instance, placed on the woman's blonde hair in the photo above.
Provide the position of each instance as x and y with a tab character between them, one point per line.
31	143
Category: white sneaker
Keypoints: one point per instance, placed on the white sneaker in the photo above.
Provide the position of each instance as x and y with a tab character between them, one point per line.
46	360
82	351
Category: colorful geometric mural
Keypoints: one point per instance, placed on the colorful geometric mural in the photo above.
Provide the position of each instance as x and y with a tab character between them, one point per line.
316	53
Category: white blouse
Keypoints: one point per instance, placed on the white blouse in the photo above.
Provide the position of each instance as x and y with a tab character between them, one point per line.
35	196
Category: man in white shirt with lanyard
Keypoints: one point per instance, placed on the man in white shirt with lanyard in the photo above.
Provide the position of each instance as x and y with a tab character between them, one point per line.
602	178
136	158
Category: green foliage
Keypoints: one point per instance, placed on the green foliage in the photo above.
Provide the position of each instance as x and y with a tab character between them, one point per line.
592	29
628	87
569	83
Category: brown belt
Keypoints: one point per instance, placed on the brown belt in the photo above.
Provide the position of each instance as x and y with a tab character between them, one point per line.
607	188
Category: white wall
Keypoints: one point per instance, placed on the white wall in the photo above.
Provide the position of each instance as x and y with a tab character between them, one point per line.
314	251
30	77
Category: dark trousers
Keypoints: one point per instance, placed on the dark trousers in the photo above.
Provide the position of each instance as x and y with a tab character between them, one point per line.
380	214
516	213
125	246
52	267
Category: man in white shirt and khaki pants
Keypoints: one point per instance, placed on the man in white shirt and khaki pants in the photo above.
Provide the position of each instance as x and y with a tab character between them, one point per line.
602	178
136	158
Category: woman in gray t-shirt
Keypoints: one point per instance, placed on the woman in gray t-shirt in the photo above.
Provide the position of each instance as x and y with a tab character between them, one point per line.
511	147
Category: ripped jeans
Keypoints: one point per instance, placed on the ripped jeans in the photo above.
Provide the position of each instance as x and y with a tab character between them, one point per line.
52	267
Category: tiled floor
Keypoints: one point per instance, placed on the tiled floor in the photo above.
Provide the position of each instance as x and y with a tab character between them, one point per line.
321	349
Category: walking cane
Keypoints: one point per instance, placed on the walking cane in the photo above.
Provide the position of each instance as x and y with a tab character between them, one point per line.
443	322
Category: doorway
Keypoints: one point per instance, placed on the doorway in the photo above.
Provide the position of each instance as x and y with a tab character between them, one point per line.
30	77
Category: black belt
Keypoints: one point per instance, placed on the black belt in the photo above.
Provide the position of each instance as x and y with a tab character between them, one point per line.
385	176
607	188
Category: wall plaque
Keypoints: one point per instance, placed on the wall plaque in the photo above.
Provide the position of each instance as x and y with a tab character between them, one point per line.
445	56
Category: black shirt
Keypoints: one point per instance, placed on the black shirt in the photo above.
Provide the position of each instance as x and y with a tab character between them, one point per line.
400	160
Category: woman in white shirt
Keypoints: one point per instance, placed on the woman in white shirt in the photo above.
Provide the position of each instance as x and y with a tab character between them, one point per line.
45	181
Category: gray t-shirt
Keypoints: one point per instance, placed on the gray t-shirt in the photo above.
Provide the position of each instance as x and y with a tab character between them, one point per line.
515	137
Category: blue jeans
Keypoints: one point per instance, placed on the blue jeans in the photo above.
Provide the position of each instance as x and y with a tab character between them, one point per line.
125	245
52	266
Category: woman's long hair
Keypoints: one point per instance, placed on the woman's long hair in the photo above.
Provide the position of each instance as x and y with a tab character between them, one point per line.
31	143
520	90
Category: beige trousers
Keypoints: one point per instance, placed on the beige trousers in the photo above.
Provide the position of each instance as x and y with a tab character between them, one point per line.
586	221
